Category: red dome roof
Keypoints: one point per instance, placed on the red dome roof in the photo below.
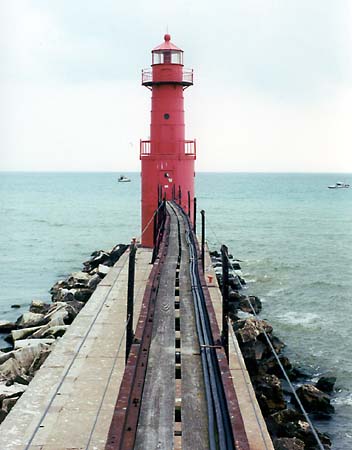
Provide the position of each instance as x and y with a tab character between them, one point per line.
167	45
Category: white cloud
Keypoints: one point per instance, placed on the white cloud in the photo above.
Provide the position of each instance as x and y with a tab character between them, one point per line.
97	126
86	127
238	130
273	83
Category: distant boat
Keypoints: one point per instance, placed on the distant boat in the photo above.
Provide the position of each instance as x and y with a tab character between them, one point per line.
339	185
123	179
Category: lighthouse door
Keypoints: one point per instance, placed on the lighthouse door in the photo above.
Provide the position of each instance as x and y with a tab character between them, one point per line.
166	181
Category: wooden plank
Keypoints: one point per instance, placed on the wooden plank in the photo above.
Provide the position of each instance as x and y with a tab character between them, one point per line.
156	422
194	417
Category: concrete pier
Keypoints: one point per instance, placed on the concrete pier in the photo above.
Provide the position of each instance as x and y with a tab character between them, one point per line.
70	402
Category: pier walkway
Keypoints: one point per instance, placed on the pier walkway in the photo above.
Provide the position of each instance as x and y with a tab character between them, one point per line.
177	390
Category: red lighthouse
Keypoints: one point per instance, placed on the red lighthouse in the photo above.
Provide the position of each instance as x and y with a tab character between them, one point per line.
167	158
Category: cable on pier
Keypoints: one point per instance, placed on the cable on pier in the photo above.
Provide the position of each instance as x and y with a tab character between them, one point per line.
220	430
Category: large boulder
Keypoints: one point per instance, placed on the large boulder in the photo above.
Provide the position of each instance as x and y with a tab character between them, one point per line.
8	397
68	295
303	431
253	343
6	326
9	403
59	317
22	363
25	343
15	390
314	400
271	366
290	423
61	284
269	393
39	307
326	383
94	281
55	331
248	330
29	319
117	252
63	294
99	257
11	370
76	286
72	308
248	301
103	270
288	444
78	280
24	333
83	295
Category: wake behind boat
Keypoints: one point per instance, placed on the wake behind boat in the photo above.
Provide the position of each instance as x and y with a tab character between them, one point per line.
339	185
123	179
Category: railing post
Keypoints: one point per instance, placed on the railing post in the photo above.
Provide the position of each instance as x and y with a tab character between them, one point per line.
189	204
203	238
179	195
155	227
225	299
158	194
130	297
195	215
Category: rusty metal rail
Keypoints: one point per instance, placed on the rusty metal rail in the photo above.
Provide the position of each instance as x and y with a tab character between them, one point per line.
123	426
225	425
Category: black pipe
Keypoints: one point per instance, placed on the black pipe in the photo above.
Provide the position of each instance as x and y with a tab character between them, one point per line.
218	417
225	299
189	204
130	297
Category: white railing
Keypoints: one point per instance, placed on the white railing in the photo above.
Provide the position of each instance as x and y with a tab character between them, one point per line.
145	148
186	78
187	147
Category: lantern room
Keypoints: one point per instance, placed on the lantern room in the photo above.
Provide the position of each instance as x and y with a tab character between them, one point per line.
167	53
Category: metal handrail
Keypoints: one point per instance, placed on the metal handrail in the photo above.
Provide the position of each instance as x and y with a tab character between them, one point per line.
187	76
189	147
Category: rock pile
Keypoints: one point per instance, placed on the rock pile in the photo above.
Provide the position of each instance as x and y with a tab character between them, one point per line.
33	334
286	423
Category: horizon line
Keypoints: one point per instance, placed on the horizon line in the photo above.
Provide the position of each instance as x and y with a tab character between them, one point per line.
199	171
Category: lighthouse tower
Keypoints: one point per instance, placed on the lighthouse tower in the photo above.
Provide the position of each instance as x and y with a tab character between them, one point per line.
167	158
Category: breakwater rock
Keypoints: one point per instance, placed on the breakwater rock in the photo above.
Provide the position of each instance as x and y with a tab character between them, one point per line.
263	353
33	335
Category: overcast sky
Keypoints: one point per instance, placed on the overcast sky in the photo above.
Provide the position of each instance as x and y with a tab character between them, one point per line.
273	82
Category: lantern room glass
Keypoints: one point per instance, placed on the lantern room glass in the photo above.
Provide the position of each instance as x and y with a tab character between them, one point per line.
167	57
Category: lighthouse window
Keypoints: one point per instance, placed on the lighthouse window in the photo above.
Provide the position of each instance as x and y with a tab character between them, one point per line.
176	57
167	57
166	116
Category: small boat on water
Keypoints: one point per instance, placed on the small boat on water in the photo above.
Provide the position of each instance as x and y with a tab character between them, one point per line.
123	179
339	185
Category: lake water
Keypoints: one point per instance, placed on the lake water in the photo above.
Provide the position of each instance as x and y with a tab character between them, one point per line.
293	234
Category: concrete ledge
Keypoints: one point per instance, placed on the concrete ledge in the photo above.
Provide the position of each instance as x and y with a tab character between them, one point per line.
70	402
